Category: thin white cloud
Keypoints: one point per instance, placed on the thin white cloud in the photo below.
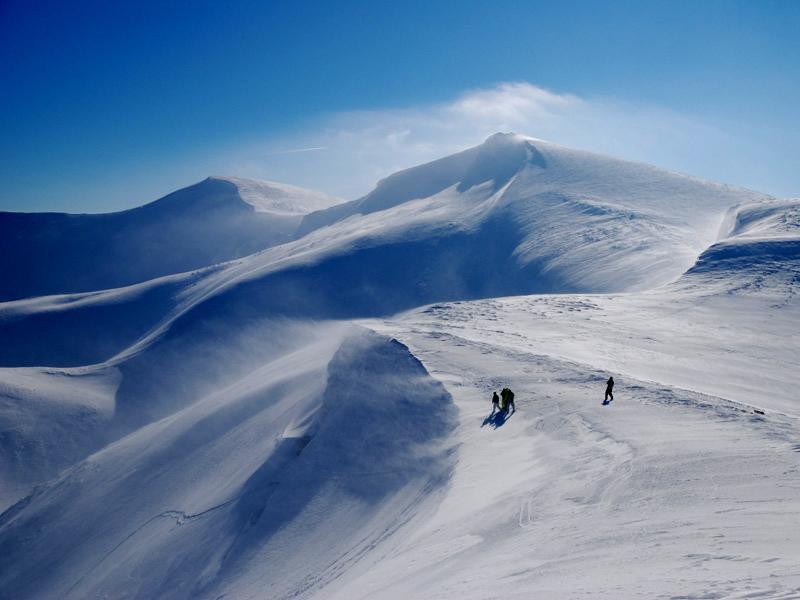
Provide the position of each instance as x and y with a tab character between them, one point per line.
298	150
365	146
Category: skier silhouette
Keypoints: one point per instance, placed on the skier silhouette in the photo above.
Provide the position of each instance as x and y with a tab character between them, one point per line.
609	390
495	402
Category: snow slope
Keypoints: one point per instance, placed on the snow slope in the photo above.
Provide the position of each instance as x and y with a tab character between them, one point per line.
666	492
51	418
761	251
586	222
684	486
230	432
512	216
663	493
290	456
212	221
728	327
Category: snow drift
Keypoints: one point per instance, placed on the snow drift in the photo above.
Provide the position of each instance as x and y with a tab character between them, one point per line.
761	254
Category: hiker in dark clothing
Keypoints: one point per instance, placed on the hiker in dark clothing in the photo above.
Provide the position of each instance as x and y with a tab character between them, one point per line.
609	389
510	401
504	399
495	402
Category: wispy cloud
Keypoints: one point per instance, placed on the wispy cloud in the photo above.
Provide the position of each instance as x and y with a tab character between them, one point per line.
298	150
364	146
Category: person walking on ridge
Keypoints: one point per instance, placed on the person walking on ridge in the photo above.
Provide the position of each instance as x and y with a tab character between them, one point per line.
495	402
609	390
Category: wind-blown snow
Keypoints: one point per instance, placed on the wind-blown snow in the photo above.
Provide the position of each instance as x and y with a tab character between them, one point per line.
305	461
238	431
280	198
770	220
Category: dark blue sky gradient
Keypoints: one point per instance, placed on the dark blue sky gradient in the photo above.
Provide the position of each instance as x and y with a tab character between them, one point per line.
98	98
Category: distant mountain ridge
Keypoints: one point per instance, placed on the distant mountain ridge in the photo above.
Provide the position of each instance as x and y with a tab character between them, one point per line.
212	221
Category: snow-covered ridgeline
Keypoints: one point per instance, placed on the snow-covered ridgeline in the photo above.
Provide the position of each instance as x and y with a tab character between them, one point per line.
511	216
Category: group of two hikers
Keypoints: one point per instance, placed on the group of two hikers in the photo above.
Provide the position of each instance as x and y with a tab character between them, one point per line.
504	402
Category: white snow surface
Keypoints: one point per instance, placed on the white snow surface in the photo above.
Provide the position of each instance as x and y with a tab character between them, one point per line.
768	220
314	419
281	198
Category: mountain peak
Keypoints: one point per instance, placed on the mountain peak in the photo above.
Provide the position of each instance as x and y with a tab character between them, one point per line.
499	158
279	198
504	137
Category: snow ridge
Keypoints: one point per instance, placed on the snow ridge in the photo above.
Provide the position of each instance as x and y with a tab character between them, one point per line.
280	198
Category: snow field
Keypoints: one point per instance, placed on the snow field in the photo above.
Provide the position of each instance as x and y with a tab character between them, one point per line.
663	493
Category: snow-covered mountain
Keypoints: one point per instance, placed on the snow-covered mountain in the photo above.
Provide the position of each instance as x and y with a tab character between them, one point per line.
565	220
272	426
212	221
511	216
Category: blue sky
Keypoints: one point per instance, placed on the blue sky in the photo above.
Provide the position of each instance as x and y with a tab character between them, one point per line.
107	105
